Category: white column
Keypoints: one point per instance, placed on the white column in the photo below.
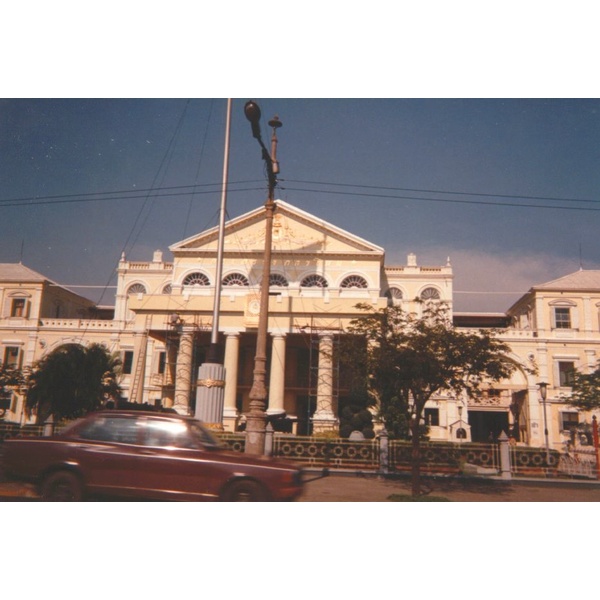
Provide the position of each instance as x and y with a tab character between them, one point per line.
183	373
231	361
170	373
586	322
536	409
277	378
591	362
324	418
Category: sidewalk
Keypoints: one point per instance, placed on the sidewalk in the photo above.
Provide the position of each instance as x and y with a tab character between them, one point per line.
371	488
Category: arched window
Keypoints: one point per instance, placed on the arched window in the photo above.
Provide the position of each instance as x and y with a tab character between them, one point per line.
354	281
394	293
394	296
430	293
168	289
277	280
136	288
311	281
234	279
196	279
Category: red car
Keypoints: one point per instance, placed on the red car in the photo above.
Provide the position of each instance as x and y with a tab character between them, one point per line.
145	455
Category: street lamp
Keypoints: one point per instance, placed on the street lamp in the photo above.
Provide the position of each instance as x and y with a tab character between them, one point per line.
256	419
543	393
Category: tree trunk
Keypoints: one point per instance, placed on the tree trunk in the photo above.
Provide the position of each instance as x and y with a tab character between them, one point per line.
416	457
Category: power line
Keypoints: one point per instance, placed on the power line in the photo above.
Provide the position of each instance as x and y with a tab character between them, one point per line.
190	190
74	200
135	191
444	200
454	193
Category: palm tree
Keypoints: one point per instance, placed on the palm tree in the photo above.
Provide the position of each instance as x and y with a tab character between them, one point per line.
72	381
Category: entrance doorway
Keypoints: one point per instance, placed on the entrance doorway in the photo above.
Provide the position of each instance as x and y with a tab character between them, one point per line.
487	425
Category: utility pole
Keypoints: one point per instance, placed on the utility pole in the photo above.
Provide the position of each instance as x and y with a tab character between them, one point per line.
256	419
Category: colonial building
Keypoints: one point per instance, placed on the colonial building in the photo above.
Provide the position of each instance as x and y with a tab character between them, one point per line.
162	322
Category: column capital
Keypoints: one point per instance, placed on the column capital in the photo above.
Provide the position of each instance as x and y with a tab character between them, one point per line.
231	332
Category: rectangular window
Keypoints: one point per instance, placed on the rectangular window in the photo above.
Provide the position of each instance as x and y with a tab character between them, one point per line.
568	420
5	399
565	373
127	362
432	417
11	357
562	318
162	359
17	308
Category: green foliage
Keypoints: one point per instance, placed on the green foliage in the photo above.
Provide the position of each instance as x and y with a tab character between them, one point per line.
402	359
11	377
355	415
329	434
71	381
585	390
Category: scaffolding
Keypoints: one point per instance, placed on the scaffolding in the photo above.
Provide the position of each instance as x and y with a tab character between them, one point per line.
321	380
140	380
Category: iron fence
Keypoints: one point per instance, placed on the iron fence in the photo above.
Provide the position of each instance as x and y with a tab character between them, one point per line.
395	456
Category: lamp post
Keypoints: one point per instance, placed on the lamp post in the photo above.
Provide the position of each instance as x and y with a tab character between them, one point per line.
256	419
543	393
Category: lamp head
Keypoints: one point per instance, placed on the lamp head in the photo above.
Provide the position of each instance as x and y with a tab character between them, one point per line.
543	389
252	112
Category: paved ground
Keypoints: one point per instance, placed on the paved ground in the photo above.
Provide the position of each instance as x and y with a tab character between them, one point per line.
353	488
368	488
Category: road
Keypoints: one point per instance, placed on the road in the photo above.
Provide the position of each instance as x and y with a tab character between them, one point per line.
370	488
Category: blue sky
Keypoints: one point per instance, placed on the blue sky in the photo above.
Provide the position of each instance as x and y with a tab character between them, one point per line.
409	175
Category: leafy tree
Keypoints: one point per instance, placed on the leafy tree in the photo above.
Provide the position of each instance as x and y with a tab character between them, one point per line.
405	359
10	378
355	414
71	381
585	389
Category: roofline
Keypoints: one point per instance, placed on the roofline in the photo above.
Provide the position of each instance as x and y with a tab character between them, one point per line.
479	314
292	209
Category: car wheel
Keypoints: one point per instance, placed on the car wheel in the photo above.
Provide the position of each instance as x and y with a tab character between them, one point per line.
244	491
62	486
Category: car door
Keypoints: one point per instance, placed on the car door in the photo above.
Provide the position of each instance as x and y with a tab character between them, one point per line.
108	452
176	465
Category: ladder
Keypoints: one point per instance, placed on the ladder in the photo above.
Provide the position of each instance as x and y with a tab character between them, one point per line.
136	389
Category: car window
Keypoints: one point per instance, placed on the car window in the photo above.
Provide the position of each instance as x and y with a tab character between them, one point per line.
204	436
163	433
111	429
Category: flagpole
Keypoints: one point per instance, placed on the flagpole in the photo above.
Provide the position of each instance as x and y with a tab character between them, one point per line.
211	375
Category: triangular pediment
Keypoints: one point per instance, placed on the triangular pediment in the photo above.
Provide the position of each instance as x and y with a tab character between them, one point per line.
294	231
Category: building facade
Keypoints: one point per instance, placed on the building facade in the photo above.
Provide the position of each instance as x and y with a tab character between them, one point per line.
163	317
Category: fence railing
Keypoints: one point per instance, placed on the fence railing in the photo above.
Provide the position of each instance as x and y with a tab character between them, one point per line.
394	456
580	462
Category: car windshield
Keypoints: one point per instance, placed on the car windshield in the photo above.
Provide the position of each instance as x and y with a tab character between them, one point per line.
203	435
74	425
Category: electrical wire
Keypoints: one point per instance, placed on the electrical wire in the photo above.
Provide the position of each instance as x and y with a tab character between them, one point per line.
445	200
454	193
81	197
191	190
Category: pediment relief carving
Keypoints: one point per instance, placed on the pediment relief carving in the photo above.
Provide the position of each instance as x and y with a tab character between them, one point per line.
291	232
